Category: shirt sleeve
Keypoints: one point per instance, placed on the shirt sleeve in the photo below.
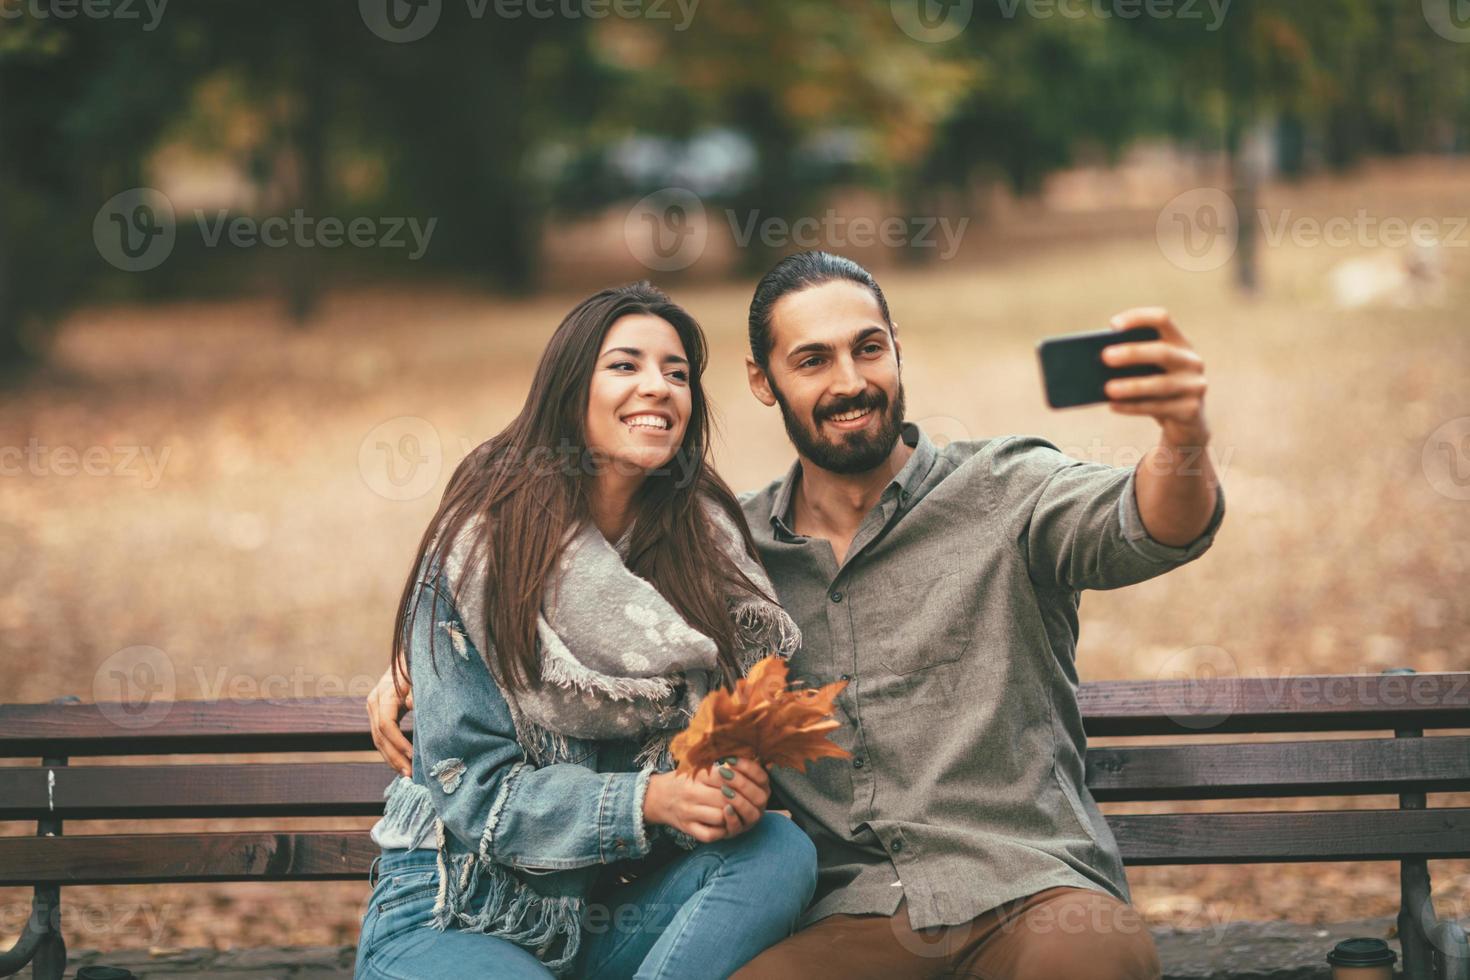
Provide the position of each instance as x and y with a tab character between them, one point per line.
554	817
1080	525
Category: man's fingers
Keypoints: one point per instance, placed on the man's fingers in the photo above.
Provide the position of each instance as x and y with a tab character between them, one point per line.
1184	409
1156	386
1148	316
386	708
1170	357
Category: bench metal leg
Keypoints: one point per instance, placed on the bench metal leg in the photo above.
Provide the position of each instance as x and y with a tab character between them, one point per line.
1433	949
41	944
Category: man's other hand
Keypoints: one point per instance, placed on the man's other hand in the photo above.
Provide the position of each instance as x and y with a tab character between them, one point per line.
385	710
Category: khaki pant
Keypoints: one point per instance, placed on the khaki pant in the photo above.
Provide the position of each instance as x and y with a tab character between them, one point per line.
1057	934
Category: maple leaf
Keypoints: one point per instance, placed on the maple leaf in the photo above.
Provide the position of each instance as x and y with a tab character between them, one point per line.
762	719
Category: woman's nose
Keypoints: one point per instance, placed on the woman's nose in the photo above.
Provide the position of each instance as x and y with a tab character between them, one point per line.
653	384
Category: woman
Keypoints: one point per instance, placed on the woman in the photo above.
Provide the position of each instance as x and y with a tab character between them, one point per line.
542	832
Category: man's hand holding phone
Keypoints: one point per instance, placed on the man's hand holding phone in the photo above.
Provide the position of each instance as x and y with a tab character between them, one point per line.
1145	366
1175	397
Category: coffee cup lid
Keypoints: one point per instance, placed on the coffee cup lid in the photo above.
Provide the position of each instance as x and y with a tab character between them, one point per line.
1361	952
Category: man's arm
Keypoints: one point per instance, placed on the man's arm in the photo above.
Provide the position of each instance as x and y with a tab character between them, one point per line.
1176	485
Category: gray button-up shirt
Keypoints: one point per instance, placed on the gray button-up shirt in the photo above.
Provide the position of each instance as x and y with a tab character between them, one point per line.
954	616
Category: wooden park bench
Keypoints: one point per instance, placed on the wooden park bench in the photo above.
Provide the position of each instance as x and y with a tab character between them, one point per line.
1390	713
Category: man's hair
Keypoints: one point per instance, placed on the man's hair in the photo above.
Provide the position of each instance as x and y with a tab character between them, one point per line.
793	274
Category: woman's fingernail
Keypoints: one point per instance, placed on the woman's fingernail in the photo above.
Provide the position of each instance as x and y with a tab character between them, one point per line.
729	810
729	793
727	773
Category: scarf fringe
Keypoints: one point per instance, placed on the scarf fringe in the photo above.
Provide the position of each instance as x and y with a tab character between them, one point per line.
764	629
560	668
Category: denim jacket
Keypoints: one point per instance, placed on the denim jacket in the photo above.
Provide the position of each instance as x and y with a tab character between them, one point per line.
520	847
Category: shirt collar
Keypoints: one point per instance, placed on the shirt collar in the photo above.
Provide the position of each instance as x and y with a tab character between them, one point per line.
904	485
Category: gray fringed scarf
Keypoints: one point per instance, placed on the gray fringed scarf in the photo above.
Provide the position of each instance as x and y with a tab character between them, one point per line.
617	660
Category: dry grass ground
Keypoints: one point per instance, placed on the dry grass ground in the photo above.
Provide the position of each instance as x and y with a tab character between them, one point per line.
266	552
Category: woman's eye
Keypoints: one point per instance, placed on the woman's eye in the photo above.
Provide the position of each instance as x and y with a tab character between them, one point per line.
620	365
679	375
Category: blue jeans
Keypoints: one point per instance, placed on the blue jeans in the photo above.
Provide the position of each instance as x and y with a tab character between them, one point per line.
704	914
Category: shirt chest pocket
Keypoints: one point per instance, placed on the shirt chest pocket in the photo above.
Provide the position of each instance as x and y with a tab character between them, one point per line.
928	616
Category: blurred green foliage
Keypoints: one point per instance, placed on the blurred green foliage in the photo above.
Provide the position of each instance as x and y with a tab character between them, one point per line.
497	119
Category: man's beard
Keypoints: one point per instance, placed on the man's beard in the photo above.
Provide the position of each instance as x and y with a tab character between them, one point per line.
855	452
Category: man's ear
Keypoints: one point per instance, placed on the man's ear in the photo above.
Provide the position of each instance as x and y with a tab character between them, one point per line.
760	385
897	345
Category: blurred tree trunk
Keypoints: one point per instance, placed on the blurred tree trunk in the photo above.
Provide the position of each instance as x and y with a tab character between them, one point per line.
1240	116
305	272
774	192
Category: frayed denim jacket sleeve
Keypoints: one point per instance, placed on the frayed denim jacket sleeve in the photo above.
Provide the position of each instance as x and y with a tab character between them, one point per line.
550	818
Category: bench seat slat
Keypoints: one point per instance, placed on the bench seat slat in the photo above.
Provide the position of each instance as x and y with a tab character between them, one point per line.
1347	702
1345	767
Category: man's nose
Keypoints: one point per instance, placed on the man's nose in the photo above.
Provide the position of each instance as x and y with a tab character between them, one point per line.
847	381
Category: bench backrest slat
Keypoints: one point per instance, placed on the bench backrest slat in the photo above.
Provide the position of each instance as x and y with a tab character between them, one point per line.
306	789
1338	767
1434	764
1346	702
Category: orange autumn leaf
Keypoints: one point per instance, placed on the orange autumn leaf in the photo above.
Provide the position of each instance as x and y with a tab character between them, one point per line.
762	719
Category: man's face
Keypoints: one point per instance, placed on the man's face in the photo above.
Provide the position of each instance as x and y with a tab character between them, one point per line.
833	369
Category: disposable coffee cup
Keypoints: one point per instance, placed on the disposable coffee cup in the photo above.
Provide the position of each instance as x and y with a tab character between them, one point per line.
1362	959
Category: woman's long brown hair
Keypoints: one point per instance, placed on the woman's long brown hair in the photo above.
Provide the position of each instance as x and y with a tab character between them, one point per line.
525	488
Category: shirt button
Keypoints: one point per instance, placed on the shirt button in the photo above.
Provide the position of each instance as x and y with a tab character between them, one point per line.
896	846
857	763
846	677
836	596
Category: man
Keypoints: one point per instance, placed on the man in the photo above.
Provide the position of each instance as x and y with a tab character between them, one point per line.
959	839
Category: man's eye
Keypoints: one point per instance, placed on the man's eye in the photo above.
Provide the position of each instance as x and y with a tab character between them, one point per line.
872	348
810	362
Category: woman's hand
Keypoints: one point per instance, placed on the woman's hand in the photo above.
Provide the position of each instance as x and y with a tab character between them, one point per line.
700	806
746	788
385	709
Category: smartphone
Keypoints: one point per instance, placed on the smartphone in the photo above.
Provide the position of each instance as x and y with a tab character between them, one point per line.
1072	367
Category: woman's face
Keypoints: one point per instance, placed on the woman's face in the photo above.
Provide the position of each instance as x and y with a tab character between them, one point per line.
640	399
